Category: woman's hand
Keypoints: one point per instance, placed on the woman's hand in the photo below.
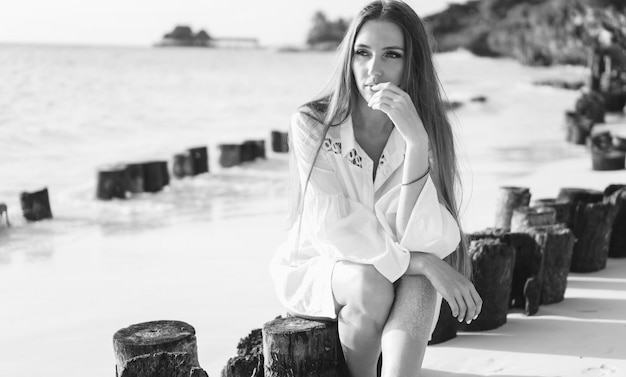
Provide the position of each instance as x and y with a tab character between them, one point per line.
455	288
399	107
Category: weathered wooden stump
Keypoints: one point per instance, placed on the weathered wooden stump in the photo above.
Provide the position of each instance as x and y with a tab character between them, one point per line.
163	364
493	264
257	148
507	200
556	243
573	195
561	209
4	211
230	155
182	166
148	338
135	176
249	359
280	142
199	157
36	205
527	266
247	152
614	100
297	347
591	105
578	127
609	159
526	217
592	229
155	176
113	182
446	327
601	140
615	196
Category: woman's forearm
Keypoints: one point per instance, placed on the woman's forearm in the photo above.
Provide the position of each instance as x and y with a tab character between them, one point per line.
415	166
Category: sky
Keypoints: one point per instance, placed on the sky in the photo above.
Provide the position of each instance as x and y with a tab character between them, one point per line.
143	22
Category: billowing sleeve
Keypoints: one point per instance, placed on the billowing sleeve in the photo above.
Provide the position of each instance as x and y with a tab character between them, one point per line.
338	227
430	229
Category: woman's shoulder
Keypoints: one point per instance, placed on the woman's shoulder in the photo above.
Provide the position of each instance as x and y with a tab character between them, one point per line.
307	123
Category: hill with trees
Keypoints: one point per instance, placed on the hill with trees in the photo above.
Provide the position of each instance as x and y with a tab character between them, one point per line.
535	32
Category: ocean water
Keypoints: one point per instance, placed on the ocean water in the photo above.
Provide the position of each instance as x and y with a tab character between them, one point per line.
198	251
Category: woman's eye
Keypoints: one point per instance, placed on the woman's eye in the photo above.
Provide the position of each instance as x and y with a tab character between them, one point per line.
361	52
393	54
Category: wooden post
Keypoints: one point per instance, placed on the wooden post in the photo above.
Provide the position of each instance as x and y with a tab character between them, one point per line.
297	347
36	205
247	152
591	105
280	142
527	268
148	338
610	159
573	195
614	101
182	166
527	273
446	327
493	265
162	364
230	155
199	157
508	199
556	244
258	148
135	175
526	217
561	209
615	196
592	229
249	359
4	211
155	176
578	127
601	140
113	182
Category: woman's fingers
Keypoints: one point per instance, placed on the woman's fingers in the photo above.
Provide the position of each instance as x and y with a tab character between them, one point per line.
478	300
465	302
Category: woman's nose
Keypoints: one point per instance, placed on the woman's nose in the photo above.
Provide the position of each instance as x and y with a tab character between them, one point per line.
374	67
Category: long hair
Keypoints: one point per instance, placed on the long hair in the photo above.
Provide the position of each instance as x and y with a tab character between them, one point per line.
421	83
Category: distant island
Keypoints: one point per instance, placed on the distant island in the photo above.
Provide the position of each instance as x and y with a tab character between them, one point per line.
183	36
534	32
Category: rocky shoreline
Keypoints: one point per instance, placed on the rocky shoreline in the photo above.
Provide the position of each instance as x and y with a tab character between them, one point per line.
534	32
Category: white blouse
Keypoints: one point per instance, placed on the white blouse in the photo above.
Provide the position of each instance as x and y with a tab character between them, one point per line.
347	216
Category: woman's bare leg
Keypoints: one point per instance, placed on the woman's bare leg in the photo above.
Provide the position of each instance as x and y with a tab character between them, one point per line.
407	330
364	298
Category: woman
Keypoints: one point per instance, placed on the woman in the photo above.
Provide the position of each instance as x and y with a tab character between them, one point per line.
376	213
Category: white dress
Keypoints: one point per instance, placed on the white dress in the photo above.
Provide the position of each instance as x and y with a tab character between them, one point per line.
348	217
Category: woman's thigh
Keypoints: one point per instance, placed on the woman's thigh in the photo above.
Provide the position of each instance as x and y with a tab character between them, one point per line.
360	284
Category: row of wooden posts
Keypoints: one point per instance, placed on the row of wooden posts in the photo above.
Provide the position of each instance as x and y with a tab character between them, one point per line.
608	152
522	262
125	179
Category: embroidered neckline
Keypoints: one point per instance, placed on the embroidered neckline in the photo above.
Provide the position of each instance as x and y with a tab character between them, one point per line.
333	146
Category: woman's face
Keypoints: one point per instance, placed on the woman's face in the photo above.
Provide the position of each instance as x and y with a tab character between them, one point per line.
378	56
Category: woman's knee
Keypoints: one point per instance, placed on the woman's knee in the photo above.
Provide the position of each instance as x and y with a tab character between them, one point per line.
363	289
